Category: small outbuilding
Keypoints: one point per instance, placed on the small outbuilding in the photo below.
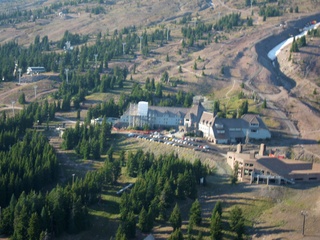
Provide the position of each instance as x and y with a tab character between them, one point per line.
35	70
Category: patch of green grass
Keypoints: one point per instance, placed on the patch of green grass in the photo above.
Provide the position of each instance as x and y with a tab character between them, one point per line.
255	208
271	122
280	223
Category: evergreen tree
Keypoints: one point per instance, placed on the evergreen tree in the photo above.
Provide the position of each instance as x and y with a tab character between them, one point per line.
195	213
176	235
116	170
130	225
20	223
34	228
195	67
199	237
175	217
143	220
294	46
237	221
120	235
215	226
264	104
22	98
217	209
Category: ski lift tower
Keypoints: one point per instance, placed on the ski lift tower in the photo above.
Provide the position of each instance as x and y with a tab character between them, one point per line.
19	70
95	60
141	37
12	103
35	91
67	71
123	44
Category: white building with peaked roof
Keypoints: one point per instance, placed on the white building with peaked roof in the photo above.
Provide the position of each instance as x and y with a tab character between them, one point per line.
197	120
233	130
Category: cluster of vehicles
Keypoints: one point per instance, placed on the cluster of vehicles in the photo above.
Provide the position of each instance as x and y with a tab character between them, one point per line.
188	142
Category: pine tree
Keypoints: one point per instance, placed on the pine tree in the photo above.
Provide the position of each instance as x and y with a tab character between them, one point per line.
34	229
217	209
195	213
237	221
143	220
20	223
22	98
121	235
176	235
175	217
264	104
130	225
215	226
195	67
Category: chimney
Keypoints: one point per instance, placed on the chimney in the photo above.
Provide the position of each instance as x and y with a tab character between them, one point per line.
239	148
262	150
252	154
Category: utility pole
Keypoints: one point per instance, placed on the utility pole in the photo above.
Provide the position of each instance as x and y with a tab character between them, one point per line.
95	59
251	6
141	37
12	103
304	214
67	71
73	179
19	70
35	91
123	44
167	34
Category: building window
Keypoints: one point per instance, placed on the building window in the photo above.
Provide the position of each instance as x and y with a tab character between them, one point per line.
254	130
312	178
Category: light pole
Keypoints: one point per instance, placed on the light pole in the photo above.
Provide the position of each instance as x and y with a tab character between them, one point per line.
19	70
12	103
95	59
67	71
304	214
73	178
35	91
123	44
141	37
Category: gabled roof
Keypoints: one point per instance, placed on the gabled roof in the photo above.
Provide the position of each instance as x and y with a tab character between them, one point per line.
225	124
255	119
207	118
195	112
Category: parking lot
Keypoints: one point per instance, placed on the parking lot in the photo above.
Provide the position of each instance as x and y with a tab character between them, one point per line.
197	144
